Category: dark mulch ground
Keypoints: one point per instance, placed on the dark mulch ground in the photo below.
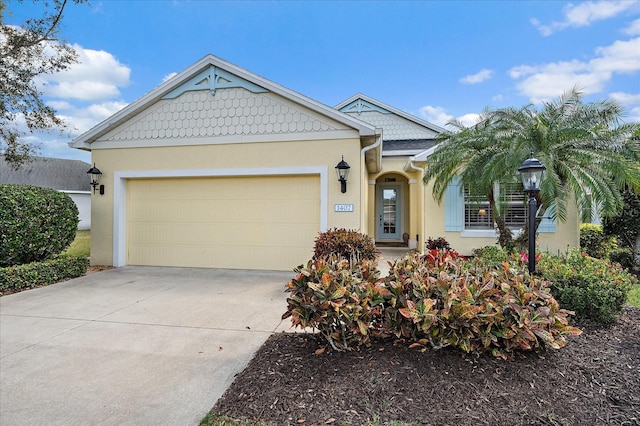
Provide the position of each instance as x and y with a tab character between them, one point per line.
594	380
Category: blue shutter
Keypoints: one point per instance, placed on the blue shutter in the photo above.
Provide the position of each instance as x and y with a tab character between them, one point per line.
454	207
547	225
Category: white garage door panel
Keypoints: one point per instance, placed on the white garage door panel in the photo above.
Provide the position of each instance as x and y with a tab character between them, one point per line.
237	222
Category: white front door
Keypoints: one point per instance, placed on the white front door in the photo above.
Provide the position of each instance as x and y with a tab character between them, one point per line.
388	214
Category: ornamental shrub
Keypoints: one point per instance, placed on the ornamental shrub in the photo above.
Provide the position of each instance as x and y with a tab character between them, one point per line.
35	223
595	289
435	300
594	242
347	244
341	301
30	275
623	256
490	254
475	308
437	244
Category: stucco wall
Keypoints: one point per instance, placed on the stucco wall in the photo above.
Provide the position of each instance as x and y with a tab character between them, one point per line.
246	156
566	235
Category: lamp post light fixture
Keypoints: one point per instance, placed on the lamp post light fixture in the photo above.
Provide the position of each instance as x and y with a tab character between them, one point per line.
531	173
94	179
342	169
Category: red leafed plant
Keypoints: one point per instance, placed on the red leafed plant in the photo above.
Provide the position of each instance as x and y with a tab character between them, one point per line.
341	301
442	258
471	307
434	300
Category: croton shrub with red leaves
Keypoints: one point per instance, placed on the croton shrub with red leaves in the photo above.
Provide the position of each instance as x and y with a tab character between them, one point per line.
345	243
440	300
429	301
342	302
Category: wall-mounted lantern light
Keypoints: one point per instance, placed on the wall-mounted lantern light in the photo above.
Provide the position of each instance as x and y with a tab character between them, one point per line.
342	169
94	179
531	173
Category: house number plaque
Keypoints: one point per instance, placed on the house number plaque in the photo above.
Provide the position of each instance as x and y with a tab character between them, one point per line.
343	207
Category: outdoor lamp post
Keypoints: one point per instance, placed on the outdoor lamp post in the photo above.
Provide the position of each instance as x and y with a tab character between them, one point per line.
531	173
342	169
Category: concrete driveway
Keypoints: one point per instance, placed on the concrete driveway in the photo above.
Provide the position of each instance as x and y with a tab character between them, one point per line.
133	345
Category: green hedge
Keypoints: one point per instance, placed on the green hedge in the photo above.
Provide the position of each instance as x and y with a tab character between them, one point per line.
594	242
595	289
36	274
35	223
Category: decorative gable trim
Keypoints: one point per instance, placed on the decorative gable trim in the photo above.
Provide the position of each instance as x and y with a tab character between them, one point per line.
360	106
368	133
212	79
389	109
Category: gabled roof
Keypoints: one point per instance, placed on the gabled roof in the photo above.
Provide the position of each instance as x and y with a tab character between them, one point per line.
226	74
55	173
360	102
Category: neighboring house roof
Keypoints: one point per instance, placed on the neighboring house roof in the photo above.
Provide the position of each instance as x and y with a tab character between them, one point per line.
55	173
213	73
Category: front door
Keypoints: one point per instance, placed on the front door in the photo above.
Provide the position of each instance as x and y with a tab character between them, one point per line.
388	212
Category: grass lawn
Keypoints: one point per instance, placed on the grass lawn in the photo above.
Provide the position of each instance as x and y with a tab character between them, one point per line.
634	296
81	245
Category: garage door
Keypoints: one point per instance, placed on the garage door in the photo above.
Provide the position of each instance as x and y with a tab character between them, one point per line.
266	222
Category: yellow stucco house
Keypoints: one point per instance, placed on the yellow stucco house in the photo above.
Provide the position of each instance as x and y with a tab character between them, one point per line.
219	167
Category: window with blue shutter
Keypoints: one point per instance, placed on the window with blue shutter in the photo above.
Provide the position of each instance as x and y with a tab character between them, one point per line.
547	224
454	207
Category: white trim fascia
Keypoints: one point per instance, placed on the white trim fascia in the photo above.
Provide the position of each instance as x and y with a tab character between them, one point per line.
365	129
225	140
120	193
74	191
488	233
424	155
400	153
394	110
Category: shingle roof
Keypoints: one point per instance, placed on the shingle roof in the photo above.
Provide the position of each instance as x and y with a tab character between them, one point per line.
408	145
56	173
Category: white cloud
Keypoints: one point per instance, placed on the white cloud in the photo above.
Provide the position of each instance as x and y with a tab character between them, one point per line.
83	95
469	119
97	76
478	77
439	116
621	56
633	28
82	119
585	14
547	81
633	115
435	115
625	98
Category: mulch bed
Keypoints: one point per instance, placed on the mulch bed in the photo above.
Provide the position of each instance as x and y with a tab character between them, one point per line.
594	380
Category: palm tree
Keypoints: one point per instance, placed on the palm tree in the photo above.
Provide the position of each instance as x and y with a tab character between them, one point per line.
587	150
473	155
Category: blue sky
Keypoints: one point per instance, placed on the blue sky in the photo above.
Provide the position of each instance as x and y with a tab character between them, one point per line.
434	59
